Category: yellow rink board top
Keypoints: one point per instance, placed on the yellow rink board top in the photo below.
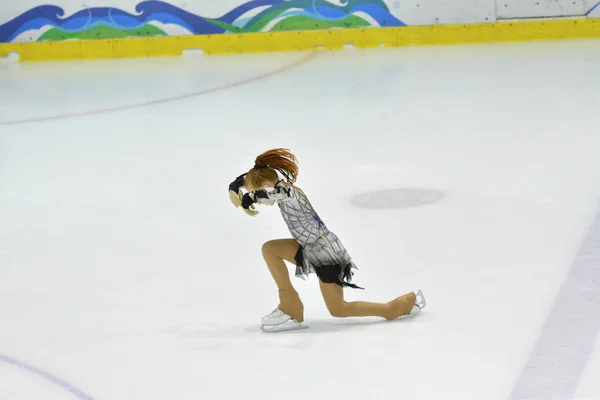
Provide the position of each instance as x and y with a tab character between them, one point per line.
306	40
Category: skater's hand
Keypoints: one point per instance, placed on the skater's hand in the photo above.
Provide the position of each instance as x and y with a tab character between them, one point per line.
236	198
251	211
248	201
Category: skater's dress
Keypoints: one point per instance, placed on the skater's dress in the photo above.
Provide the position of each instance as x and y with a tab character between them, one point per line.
320	250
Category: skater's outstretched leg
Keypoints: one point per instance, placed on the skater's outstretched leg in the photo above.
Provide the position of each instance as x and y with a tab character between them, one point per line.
333	295
275	252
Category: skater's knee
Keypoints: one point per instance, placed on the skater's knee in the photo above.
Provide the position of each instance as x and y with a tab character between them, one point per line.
269	248
285	249
338	313
338	310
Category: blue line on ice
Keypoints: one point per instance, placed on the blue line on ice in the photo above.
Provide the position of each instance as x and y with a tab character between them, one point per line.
47	376
561	351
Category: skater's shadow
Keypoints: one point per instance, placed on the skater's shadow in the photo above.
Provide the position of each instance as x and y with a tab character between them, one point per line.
320	326
219	335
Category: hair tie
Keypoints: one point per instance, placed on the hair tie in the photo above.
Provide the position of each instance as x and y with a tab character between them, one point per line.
260	166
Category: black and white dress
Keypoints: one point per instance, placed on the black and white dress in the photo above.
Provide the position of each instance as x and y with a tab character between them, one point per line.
320	250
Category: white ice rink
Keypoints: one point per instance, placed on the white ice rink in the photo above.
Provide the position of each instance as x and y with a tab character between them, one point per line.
126	273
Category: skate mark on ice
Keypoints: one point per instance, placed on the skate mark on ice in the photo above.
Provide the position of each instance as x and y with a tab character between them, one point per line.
46	376
561	351
198	93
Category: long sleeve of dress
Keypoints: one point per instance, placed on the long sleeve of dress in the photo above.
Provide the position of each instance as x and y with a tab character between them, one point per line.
238	183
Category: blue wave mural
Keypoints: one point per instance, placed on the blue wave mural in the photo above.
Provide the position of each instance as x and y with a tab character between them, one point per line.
48	22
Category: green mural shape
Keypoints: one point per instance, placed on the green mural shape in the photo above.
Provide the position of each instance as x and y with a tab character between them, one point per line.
224	25
301	22
102	32
298	22
263	18
266	18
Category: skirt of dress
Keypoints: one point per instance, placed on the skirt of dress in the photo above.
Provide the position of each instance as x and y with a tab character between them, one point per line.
327	258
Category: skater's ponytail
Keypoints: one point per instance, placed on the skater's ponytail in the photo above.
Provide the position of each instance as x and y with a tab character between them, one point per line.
266	166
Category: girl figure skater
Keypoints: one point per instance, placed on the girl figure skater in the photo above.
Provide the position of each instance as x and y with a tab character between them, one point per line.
314	248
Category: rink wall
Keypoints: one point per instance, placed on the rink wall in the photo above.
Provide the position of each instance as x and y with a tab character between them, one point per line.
66	29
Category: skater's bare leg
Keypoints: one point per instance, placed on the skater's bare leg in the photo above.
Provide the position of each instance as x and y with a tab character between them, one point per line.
275	252
333	295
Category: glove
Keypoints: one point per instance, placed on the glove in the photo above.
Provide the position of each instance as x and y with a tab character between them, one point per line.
248	205
250	211
236	198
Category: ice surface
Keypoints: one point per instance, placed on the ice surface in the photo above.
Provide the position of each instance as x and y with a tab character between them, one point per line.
125	271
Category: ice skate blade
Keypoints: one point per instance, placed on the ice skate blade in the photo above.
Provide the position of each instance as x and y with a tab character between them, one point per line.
421	299
289	325
419	305
415	311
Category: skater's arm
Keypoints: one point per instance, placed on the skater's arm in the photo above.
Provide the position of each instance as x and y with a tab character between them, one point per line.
238	183
235	193
280	192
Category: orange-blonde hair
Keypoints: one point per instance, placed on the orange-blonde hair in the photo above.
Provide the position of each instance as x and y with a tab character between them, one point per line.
266	166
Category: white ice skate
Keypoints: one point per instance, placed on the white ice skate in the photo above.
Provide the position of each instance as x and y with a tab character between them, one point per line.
419	304
278	321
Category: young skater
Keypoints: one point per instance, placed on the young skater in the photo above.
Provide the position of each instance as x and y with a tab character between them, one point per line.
314	248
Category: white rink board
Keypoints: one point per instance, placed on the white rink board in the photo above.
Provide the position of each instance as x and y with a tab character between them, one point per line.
508	9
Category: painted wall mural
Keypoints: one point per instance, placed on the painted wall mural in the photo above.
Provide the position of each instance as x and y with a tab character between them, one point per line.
25	20
157	18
